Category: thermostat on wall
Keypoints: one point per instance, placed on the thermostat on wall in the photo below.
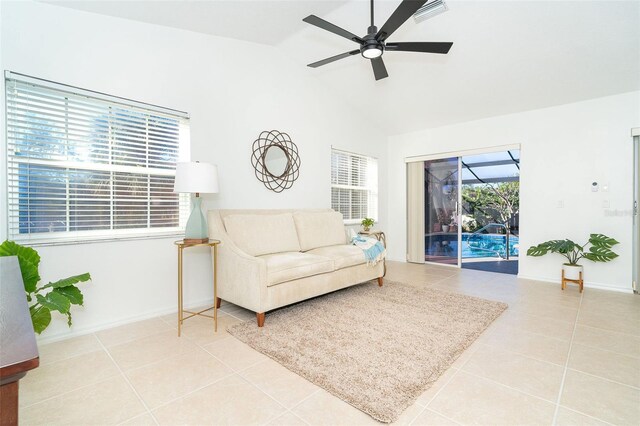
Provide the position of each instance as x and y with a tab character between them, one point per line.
594	187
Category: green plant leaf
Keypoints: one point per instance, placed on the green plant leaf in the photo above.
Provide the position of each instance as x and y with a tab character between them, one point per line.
72	293
557	246
65	282
600	254
367	221
55	302
564	246
63	294
601	240
28	258
539	250
40	317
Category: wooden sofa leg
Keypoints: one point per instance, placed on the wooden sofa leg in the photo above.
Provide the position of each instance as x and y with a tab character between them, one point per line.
380	280
218	302
260	318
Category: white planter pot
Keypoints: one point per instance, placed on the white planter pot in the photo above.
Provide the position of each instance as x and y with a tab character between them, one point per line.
572	272
445	228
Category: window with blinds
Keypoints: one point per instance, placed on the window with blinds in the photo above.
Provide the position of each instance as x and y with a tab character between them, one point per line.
354	186
84	165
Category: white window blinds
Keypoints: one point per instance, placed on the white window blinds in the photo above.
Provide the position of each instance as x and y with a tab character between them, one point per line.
84	165
354	185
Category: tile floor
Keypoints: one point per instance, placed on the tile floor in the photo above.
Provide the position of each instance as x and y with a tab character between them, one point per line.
554	357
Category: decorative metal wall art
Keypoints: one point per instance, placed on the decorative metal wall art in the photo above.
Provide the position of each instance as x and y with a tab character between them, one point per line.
275	160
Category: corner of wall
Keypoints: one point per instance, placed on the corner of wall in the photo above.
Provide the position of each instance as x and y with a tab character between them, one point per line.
3	152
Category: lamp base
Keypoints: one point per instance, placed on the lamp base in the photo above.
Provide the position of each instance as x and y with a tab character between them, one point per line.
196	231
195	240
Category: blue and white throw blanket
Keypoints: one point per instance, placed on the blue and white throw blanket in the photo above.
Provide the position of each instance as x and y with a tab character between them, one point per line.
373	249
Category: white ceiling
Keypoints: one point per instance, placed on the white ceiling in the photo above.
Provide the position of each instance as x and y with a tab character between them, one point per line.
259	21
508	56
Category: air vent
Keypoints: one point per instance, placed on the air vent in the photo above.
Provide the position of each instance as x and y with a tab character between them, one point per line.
429	10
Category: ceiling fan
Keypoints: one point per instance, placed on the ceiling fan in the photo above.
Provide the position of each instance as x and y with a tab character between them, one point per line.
374	44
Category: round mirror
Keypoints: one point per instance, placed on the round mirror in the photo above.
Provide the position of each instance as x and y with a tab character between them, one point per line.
276	161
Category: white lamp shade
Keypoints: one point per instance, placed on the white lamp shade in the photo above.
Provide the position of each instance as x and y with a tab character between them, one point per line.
196	177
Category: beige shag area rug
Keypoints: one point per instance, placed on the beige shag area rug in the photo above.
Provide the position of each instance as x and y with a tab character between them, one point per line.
377	348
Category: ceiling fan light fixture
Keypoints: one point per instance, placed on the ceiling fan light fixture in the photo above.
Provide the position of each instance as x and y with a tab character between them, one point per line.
372	51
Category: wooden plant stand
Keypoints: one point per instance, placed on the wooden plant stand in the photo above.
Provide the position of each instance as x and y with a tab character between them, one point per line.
579	281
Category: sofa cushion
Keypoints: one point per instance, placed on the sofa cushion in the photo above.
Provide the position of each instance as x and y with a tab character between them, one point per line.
319	229
343	255
283	267
258	234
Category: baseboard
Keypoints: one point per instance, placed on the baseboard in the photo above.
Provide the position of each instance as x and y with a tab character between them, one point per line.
543	280
587	284
81	331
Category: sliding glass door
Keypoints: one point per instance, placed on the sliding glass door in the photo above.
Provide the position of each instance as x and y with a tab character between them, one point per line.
441	212
636	225
464	211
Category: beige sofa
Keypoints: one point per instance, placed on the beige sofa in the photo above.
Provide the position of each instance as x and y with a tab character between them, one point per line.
272	258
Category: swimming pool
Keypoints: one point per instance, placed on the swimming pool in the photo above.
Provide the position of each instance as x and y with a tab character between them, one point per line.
488	245
473	245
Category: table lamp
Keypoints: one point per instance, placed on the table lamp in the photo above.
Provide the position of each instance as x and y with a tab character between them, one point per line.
196	178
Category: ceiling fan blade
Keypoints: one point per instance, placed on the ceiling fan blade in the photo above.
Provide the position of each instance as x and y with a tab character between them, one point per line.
328	26
333	58
426	47
406	9
379	70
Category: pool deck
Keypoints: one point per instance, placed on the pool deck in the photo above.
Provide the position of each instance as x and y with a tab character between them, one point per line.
500	266
487	264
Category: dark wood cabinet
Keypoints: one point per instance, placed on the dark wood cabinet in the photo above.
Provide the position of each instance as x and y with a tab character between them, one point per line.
18	348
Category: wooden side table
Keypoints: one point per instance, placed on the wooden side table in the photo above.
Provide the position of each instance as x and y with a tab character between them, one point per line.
380	236
181	311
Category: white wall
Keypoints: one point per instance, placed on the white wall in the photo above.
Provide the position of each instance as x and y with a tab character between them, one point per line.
233	90
563	150
3	154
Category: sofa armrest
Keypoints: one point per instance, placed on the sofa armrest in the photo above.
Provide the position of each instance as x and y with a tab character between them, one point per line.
242	278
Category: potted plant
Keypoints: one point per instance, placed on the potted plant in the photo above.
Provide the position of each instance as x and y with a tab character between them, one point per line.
439	226
54	296
453	225
600	251
367	223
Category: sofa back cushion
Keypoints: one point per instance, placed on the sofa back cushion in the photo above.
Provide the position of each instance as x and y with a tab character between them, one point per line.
319	229
259	234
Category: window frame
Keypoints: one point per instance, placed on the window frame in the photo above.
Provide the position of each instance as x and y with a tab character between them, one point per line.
372	190
69	236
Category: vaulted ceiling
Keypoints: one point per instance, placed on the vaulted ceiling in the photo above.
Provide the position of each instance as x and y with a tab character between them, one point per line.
508	56
260	21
